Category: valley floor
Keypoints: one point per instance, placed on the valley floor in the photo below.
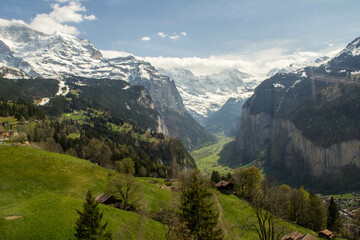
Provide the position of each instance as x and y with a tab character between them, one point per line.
207	158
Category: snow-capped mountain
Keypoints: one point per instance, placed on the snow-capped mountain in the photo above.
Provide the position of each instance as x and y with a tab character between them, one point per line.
203	95
298	65
60	56
12	73
347	60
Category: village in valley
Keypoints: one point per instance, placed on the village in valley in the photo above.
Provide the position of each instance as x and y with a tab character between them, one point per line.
348	204
5	135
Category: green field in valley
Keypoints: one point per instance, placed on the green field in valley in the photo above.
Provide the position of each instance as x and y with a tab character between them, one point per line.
207	158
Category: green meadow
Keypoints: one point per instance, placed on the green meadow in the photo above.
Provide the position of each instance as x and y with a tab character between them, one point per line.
40	191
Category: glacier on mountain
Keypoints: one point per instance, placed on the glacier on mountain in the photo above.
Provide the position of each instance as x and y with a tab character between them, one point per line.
204	95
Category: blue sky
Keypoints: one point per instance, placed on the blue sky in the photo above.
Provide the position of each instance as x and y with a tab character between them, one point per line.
197	28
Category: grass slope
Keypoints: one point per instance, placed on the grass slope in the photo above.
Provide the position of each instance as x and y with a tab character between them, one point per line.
46	189
238	214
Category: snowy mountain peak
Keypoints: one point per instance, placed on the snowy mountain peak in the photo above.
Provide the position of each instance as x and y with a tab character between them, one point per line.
203	95
18	32
347	60
352	48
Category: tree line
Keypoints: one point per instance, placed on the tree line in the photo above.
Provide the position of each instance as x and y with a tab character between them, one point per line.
95	139
271	202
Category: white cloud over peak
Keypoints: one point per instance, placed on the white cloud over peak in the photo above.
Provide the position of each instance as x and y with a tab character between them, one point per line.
61	14
146	38
5	22
257	64
183	33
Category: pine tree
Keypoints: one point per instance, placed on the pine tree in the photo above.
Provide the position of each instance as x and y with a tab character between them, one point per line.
215	176
333	217
88	226
197	208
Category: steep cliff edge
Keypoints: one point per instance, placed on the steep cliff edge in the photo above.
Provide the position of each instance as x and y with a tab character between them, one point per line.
305	126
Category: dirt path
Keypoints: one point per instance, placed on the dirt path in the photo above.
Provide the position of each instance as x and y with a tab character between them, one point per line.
12	217
219	206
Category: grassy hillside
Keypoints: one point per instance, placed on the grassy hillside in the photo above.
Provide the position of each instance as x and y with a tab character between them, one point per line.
45	189
238	214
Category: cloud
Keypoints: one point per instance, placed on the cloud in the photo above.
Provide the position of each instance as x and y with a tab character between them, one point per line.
5	22
257	64
55	20
146	38
62	1
174	37
161	34
90	17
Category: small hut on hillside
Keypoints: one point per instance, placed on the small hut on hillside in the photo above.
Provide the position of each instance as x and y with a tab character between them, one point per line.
298	236
107	200
326	234
225	186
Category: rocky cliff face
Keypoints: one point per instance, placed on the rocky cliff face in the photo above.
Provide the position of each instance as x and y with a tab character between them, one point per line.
305	124
288	149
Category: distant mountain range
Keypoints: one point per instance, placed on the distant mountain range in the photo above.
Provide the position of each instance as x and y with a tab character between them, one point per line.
60	56
204	95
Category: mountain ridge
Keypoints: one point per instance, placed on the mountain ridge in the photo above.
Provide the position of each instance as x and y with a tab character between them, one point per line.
59	55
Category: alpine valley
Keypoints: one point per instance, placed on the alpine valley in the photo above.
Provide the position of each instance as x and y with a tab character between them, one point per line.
67	59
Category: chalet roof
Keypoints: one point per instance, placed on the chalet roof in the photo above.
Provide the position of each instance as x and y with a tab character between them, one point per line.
308	237
164	187
326	232
298	236
102	198
223	183
293	236
2	130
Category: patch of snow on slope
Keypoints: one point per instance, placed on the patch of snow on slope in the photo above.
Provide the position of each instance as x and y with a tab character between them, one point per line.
44	101
63	89
278	85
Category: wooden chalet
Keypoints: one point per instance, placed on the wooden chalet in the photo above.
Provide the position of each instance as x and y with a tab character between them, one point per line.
292	236
298	236
309	237
2	130
107	200
326	234
4	135
165	187
224	186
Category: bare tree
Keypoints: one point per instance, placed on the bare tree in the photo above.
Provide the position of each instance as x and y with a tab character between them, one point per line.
264	204
126	188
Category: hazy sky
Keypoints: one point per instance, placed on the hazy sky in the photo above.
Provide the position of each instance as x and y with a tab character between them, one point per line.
185	29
